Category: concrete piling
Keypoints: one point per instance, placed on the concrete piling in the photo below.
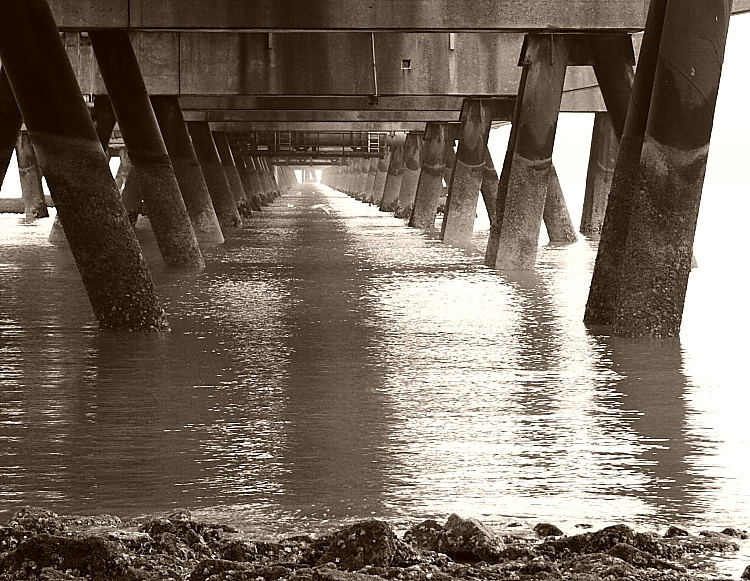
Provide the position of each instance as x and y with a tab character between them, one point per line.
31	179
248	185
556	216
430	184
123	171
382	173
256	179
489	185
463	190
105	249
392	186
410	175
151	167
10	124
216	177
600	307
545	61
599	177
657	259
372	174
187	169
104	120
233	176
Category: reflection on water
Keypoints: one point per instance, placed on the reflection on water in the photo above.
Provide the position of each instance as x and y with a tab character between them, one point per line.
331	364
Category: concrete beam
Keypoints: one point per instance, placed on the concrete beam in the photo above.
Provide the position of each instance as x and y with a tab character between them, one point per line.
317	126
364	15
266	115
237	71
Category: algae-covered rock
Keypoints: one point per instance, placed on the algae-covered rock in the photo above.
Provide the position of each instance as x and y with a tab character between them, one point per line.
370	542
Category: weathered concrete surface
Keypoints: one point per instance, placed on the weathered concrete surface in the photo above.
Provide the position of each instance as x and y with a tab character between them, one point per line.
105	249
393	179
216	177
463	190
489	185
31	179
605	281
250	179
556	215
10	124
545	61
372	174
104	119
233	175
152	170
599	177
345	14
123	171
187	169
409	175
657	260
379	188
430	185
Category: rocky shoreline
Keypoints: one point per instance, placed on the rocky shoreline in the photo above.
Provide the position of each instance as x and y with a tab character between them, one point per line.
39	545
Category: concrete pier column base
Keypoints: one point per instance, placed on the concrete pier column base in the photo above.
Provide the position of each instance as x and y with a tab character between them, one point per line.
392	186
382	173
31	179
258	183
599	178
657	259
187	169
410	175
216	177
626	179
545	62
450	166
230	169
463	191
109	260
372	173
250	185
152	169
430	184
556	216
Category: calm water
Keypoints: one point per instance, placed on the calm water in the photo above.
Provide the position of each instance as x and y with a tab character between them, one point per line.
331	364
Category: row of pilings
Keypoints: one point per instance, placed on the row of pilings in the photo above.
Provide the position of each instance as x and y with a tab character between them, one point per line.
196	186
646	167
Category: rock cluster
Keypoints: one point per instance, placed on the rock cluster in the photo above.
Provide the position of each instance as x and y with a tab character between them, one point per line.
38	545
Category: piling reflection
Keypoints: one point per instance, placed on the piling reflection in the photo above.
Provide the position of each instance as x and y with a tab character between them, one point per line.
654	407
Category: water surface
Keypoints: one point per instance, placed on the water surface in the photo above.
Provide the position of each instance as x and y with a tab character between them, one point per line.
331	364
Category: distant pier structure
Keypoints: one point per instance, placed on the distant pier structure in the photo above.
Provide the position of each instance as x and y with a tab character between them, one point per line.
212	104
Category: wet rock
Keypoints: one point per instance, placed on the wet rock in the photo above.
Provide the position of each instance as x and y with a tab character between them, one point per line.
604	540
37	520
638	558
370	542
426	536
601	566
90	557
544	529
746	573
675	532
469	539
540	565
99	520
736	533
335	575
210	567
